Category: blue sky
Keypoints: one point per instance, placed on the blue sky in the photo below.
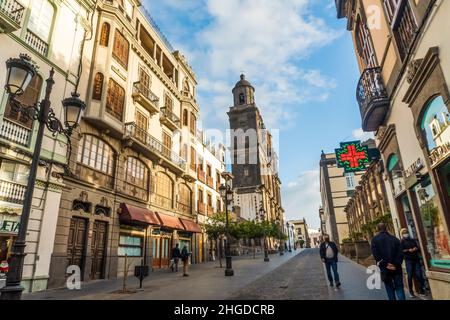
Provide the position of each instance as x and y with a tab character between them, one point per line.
300	60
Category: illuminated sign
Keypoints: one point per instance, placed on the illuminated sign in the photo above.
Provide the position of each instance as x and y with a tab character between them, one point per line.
352	156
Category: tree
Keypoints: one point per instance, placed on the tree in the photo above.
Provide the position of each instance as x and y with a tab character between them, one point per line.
215	229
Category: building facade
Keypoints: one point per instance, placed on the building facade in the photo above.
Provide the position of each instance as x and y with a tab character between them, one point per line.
302	232
403	97
369	204
29	27
131	196
254	161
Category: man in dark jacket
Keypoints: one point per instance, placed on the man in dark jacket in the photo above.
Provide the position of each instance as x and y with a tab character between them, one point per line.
411	251
176	255
389	257
329	255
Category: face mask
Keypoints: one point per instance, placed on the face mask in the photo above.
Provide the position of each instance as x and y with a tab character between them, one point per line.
405	236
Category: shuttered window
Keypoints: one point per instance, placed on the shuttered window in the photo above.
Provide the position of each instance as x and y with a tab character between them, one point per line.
115	99
121	49
98	86
104	35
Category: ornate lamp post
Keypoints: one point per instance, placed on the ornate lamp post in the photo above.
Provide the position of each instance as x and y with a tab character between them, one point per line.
226	191
19	72
262	215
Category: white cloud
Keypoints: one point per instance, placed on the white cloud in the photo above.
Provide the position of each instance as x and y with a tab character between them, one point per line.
301	198
359	134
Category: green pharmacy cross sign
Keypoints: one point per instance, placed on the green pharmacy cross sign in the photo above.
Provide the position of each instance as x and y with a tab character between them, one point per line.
352	156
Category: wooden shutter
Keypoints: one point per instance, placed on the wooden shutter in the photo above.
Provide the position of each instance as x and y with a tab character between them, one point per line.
98	86
104	35
115	99
121	49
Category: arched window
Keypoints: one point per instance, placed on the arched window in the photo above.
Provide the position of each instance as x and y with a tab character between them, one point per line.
98	86
184	199
41	18
395	174
96	154
115	99
435	119
241	98
163	190
104	35
29	97
136	173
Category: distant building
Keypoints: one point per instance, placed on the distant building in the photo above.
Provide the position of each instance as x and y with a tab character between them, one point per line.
314	236
303	239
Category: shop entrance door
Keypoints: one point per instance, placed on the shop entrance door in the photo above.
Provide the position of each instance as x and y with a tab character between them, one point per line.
76	242
161	252
99	234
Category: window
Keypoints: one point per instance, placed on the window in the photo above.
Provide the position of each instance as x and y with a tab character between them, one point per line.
104	35
200	195
29	97
168	102
96	154
350	181
128	8
364	44
98	86
163	192
41	18
391	7
130	246
193	158
218	205
167	142
436	117
209	200
241	98
121	49
185	117
145	81
115	99
185	199
136	173
14	172
192	124
208	170
142	126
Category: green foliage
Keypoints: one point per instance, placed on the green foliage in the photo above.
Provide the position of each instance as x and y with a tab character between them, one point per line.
215	227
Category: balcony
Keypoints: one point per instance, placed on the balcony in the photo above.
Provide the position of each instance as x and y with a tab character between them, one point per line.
146	143
201	175
15	133
372	98
12	192
145	97
404	27
39	45
201	207
11	13
191	173
169	119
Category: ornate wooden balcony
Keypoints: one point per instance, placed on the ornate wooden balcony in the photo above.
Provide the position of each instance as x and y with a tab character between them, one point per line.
169	118
148	144
15	133
372	98
145	97
12	192
11	13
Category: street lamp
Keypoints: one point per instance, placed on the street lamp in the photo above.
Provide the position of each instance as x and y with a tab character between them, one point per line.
19	72
226	192
278	222
262	215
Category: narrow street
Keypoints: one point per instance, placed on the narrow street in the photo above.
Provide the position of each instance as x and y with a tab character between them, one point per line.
293	276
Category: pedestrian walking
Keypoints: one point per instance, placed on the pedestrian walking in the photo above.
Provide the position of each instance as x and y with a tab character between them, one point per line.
386	249
411	251
176	255
329	255
185	258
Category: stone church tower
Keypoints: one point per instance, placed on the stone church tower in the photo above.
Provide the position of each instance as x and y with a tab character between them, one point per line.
254	163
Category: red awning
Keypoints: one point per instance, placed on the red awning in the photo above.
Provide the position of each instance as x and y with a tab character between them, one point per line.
170	221
191	226
129	214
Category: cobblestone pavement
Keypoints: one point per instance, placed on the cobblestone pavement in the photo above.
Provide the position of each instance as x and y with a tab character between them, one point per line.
303	278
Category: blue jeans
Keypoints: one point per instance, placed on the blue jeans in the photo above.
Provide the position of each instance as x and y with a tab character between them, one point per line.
414	269
332	264
394	285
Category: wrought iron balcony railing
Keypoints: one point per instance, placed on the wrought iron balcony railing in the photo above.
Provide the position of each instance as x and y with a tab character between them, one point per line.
11	14
154	145
146	97
169	118
372	98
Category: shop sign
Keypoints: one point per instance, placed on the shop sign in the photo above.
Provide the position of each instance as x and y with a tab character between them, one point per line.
9	224
439	153
415	167
352	156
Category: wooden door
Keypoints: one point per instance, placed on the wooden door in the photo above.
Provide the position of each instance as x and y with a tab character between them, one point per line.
98	245
165	249
142	126
156	257
76	242
144	79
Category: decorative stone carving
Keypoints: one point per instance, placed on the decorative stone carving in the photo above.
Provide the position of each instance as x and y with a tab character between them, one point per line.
412	69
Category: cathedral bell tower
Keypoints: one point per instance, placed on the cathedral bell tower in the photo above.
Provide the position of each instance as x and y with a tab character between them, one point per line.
243	93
